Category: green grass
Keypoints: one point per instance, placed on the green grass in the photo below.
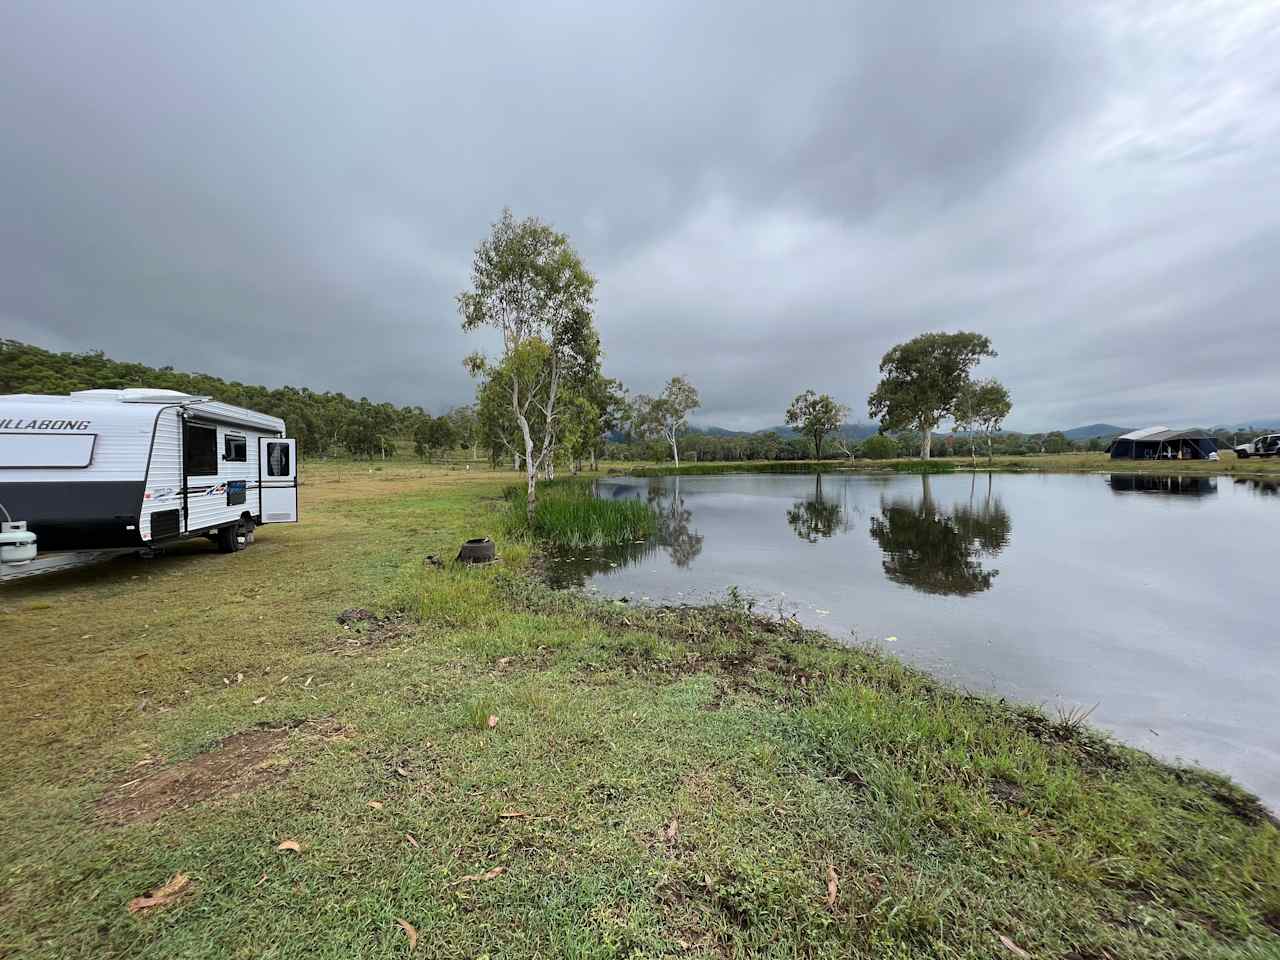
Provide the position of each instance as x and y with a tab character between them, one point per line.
950	821
923	466
567	513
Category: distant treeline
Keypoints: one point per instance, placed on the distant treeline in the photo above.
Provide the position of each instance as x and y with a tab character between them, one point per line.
323	423
334	424
772	446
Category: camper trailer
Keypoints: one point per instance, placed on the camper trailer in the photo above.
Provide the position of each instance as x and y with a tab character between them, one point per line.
138	468
1161	443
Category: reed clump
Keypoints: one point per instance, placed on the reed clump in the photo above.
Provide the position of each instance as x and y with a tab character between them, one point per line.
568	513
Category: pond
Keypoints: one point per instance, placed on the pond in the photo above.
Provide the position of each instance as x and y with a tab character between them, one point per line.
1154	598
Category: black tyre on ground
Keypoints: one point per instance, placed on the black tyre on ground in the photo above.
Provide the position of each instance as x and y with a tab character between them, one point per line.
231	537
478	550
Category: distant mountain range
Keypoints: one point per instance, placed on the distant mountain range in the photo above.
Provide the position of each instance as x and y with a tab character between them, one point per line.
1092	430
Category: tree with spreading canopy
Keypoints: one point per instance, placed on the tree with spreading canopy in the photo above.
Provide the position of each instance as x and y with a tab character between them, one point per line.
666	416
922	379
529	283
989	404
815	415
466	427
433	434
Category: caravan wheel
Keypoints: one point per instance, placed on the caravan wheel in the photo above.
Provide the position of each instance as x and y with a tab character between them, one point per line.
231	537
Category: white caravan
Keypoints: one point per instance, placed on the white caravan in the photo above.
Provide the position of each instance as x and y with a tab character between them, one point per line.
139	468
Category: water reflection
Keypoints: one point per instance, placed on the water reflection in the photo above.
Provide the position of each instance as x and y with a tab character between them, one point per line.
1176	485
573	567
683	543
1263	488
940	551
818	516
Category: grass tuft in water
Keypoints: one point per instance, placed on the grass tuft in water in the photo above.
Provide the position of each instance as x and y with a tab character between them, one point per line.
569	514
924	466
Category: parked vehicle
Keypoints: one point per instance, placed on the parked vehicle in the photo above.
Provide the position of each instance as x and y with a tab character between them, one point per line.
138	468
1267	445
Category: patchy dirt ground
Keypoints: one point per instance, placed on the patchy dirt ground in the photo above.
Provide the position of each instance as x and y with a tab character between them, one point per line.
241	763
363	630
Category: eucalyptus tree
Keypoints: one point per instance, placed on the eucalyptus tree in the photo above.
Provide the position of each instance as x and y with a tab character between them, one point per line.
815	415
529	284
666	415
922	379
990	404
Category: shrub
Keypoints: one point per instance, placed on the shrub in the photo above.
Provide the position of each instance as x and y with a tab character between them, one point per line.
879	447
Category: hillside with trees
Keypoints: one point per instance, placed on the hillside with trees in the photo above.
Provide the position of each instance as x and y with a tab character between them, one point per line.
323	423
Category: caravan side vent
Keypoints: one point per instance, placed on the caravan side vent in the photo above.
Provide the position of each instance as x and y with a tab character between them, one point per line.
279	517
164	524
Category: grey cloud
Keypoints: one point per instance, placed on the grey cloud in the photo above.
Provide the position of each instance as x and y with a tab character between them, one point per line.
771	195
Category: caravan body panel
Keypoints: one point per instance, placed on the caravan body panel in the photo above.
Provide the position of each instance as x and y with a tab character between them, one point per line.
91	504
160	465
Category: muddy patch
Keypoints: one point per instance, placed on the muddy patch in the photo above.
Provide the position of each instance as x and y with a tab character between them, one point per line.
363	630
241	763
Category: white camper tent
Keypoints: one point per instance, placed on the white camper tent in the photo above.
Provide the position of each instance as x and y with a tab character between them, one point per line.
140	467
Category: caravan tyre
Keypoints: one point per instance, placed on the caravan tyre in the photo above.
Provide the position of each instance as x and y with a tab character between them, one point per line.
229	537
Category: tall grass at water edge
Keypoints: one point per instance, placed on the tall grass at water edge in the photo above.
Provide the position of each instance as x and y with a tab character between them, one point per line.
568	513
924	466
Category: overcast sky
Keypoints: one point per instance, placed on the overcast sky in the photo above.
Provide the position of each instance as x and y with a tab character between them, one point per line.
771	195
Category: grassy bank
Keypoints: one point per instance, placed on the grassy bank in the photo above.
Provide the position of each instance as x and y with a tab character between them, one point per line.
567	513
1229	465
516	773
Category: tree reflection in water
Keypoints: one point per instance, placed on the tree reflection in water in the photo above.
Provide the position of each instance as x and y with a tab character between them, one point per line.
673	524
940	551
818	517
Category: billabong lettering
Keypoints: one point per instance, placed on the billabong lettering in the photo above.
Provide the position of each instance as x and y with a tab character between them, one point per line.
51	425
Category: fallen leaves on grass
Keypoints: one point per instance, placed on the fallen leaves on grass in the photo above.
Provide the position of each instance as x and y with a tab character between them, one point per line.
671	831
414	843
492	721
289	845
1013	948
491	874
833	885
409	932
375	804
258	701
512	815
162	895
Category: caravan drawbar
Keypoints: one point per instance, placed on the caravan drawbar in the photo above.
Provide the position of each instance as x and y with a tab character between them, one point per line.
138	468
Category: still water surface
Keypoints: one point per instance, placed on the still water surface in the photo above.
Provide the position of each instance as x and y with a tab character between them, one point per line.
1155	598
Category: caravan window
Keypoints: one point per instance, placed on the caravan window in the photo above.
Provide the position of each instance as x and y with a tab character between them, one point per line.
235	449
278	460
200	451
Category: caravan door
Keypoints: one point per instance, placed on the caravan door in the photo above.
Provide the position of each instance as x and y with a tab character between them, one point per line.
278	468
